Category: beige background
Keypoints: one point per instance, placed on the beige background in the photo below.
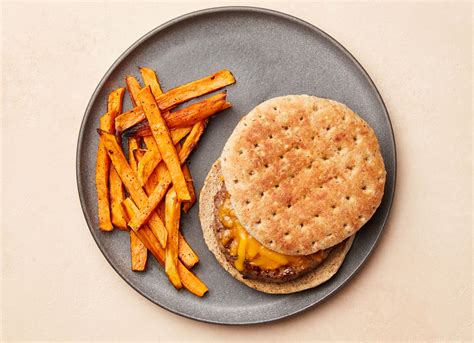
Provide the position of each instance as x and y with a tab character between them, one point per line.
57	285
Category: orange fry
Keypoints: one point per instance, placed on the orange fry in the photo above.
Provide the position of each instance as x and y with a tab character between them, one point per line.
165	144
190	281
103	162
160	190
196	112
172	217
102	170
132	146
189	115
176	96
116	197
194	89
133	87
138	251
129	179
114	104
150	79
189	181
153	157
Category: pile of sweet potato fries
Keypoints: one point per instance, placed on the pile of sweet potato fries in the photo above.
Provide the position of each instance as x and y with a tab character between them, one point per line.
146	193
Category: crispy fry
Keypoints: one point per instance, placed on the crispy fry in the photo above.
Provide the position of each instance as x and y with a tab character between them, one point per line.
114	104
176	96
133	87
196	112
138	251
190	281
189	181
143	130
132	146
103	162
149	161
154	199
191	140
186	253
161	211
127	175
102	170
129	119
160	190
150	79
116	197
194	89
165	144
153	157
172	217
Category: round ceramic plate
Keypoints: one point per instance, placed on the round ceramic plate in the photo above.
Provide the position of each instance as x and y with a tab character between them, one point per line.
270	54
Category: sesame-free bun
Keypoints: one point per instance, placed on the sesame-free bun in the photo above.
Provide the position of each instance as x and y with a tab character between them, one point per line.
303	174
322	273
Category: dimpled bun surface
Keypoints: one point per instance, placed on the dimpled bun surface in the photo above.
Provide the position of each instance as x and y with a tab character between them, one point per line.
303	173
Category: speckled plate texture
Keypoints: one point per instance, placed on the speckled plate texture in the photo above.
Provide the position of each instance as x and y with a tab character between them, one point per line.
270	54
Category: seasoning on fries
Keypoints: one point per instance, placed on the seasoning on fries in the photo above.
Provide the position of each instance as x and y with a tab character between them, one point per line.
148	191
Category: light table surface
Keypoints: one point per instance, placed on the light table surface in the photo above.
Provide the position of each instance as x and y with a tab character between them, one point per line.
57	285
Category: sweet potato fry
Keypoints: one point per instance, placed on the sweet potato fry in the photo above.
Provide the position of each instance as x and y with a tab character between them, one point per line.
161	212
161	175
129	179
176	96
186	254
114	104
138	253
172	217
103	162
191	140
150	160
133	87
153	157
189	181
184	117
116	197
132	146
196	112
102	170
165	144
154	199
190	281
129	119
194	89
160	190
150	79
178	134
143	130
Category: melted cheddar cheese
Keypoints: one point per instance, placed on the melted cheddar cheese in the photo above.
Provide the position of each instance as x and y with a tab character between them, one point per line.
246	248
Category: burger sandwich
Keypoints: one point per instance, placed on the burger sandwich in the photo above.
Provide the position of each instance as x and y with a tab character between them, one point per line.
298	177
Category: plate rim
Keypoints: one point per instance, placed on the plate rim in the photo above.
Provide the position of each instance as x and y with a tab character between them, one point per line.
177	20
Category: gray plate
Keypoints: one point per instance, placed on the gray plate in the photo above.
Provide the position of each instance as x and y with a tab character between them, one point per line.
270	54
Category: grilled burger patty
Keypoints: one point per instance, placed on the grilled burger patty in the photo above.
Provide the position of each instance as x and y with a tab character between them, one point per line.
290	271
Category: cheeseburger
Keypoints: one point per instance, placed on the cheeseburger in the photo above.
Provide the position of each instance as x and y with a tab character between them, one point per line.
298	177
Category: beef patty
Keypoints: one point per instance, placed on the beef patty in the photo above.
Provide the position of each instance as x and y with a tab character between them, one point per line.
250	268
